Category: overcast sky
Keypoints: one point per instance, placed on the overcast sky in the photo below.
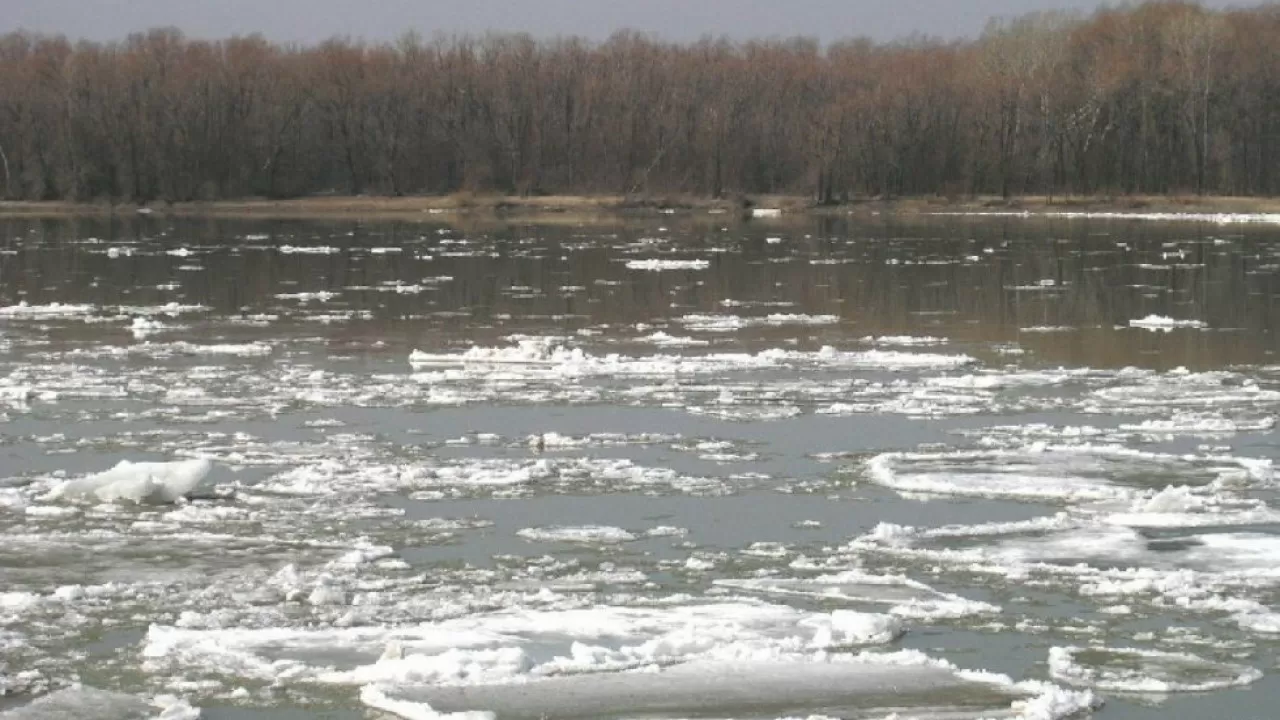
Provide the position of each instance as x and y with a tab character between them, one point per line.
308	20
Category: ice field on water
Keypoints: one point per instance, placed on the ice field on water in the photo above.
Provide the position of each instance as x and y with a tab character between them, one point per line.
995	467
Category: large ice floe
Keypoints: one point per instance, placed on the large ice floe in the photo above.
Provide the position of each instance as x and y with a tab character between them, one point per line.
610	661
139	482
1064	473
1130	670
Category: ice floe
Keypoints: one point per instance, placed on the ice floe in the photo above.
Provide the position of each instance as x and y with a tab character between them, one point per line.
50	311
598	661
1165	324
905	597
1131	670
732	323
549	358
1064	473
586	534
81	701
139	482
658	264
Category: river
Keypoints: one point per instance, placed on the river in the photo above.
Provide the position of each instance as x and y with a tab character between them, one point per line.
672	467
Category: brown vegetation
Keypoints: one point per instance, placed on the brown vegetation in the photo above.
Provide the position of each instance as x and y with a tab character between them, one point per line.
1163	98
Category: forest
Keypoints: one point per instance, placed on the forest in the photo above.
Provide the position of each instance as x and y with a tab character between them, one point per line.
1158	98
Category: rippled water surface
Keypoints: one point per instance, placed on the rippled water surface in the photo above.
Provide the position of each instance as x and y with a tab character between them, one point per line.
678	467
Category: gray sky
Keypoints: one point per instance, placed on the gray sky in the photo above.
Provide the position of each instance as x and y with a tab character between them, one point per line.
308	20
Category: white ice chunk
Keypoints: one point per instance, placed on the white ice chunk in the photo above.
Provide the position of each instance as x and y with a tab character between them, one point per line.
730	323
583	534
51	311
139	482
658	265
1164	324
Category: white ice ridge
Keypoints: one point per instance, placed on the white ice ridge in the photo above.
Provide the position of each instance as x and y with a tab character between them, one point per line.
905	597
1165	324
67	311
874	685
177	348
730	323
662	339
582	534
522	644
1059	473
658	265
139	482
609	660
547	357
376	698
1130	670
80	702
46	312
1181	389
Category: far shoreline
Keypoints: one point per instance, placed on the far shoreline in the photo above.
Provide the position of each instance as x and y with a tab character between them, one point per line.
586	209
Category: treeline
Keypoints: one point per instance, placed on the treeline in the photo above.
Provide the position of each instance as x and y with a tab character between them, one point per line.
1166	97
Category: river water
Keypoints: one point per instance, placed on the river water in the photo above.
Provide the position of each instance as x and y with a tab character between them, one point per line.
677	467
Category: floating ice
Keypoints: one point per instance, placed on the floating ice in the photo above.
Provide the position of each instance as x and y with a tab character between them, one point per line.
79	702
997	380
142	482
546	357
523	644
600	661
904	340
730	323
142	327
584	534
51	311
307	250
1063	473
1164	324
1130	670
174	349
375	698
906	597
862	687
1201	425
1181	390
657	265
662	339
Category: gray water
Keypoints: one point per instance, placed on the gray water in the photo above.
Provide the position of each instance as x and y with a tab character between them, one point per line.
677	467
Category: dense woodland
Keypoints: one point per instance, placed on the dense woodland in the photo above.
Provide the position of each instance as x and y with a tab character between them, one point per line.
1165	97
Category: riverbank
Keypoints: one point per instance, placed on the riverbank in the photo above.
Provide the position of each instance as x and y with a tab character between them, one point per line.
588	208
